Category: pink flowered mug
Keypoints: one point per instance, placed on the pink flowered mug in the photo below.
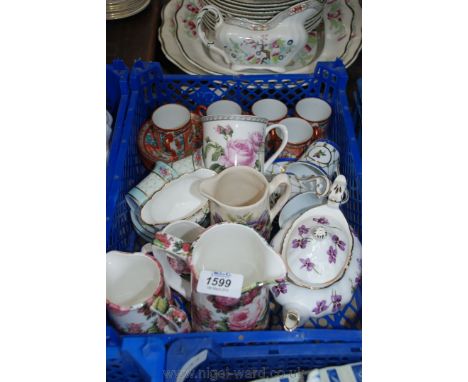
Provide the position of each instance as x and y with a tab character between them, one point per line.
137	298
238	140
233	248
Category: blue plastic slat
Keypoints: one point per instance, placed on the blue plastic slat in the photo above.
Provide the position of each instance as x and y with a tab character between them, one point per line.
233	355
117	97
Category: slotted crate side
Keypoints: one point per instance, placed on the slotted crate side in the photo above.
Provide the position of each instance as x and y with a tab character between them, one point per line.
117	97
121	366
242	355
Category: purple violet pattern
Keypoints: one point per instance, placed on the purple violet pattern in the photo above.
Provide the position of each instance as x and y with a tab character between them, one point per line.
300	243
357	280
307	264
303	230
331	255
341	244
321	220
336	301
321	307
280	288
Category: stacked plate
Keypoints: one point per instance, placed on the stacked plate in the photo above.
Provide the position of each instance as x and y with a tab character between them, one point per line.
256	11
119	9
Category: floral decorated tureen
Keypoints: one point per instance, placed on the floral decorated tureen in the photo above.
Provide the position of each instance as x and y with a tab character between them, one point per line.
323	260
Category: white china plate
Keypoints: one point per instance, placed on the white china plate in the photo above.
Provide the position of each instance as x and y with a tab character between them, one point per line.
350	41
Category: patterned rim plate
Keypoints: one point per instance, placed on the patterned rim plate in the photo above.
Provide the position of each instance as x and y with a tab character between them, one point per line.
172	50
338	24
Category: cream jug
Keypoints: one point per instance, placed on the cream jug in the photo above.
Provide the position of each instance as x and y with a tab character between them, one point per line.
242	195
234	252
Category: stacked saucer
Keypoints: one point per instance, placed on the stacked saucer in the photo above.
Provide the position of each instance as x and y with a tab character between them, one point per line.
119	9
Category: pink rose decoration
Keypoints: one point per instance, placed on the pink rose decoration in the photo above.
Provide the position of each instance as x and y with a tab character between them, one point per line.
178	265
134	328
256	139
239	152
200	315
224	304
241	320
248	297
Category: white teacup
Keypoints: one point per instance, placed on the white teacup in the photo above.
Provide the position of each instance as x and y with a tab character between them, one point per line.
300	135
317	112
224	107
271	109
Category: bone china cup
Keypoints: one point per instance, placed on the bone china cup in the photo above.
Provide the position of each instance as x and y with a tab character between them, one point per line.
173	133
237	140
271	109
225	107
137	298
300	135
317	112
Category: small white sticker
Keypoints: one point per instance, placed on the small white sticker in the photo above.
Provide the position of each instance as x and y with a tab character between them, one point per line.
220	284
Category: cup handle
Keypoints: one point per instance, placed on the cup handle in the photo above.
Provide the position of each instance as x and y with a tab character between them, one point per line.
315	131
277	181
284	142
172	245
175	318
201	110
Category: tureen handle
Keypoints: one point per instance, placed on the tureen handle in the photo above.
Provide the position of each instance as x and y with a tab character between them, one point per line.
338	191
201	33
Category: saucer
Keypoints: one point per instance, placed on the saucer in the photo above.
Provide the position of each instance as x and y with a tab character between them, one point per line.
342	38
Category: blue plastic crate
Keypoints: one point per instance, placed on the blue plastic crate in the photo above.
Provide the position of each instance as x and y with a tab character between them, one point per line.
117	97
357	113
240	356
150	88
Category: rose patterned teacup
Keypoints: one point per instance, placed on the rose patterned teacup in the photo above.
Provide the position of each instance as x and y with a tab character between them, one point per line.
237	140
137	298
237	249
249	204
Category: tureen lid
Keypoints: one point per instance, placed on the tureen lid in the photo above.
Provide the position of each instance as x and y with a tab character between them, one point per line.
317	249
317	252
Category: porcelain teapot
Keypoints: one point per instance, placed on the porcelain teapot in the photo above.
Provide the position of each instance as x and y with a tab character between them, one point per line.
245	45
322	258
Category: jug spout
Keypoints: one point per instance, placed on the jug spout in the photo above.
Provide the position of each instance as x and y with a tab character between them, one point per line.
274	267
207	187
